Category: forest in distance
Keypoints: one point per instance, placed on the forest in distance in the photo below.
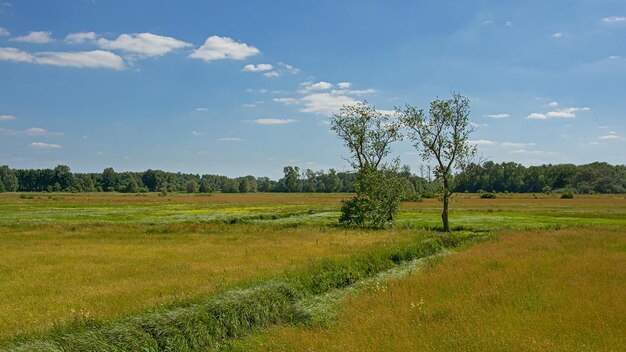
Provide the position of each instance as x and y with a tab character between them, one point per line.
597	177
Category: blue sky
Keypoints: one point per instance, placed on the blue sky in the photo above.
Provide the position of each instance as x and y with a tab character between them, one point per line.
237	88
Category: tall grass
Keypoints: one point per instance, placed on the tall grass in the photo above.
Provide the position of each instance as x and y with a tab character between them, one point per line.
207	324
529	291
54	274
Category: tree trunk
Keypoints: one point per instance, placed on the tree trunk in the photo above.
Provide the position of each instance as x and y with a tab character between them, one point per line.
446	200
444	214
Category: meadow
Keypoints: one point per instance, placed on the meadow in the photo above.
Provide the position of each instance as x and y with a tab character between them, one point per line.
83	258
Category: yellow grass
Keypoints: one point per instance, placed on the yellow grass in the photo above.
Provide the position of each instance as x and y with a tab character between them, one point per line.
54	273
527	291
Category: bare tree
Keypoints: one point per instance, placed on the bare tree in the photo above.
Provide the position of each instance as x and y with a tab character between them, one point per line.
442	136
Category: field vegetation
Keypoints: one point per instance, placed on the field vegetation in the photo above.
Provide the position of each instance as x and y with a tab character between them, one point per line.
77	268
526	291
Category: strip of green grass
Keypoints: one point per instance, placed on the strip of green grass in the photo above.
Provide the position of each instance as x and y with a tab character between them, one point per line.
207	324
530	290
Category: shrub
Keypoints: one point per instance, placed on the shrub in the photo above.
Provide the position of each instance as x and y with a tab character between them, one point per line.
567	195
488	196
353	211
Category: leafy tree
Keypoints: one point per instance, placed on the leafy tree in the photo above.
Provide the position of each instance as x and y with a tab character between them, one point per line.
292	182
191	186
132	186
109	179
244	185
442	136
368	135
9	180
63	176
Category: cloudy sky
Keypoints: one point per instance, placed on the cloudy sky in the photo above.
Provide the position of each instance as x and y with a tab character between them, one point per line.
236	88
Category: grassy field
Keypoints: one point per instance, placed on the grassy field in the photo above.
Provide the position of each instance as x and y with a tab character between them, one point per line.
527	291
69	257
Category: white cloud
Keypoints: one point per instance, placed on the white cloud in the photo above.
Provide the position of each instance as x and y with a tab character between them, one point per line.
609	135
197	134
42	145
36	131
536	116
557	35
354	91
553	104
40	132
202	109
309	86
320	97
271	74
220	48
35	38
289	68
16	55
80	37
560	114
257	68
344	85
565	113
3	31
482	142
229	139
533	152
7	118
508	24
79	59
512	145
82	59
325	103
143	44
614	19
498	116
286	101
269	121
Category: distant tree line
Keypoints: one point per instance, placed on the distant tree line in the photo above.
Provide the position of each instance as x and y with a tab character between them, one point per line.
598	177
511	177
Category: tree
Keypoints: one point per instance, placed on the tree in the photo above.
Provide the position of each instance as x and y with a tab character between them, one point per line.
191	186
442	136
292	179
368	135
63	176
109	179
8	179
131	186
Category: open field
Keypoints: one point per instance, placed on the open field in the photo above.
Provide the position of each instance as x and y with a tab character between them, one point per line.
527	291
468	210
55	273
69	257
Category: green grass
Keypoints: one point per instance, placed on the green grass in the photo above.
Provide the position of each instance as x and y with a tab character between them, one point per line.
528	291
209	323
52	273
113	257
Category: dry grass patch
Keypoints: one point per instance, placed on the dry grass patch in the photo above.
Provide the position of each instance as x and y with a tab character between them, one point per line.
527	291
55	273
